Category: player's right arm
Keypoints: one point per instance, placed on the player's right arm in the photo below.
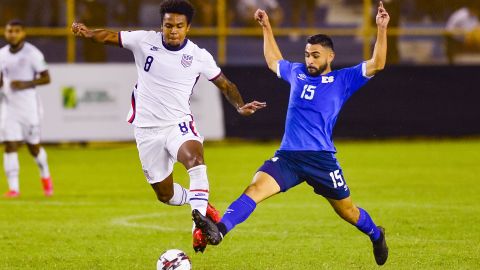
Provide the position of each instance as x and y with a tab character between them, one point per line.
101	36
270	48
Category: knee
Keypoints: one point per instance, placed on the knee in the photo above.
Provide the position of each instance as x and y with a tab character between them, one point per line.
349	214
164	196
10	147
193	160
253	189
34	150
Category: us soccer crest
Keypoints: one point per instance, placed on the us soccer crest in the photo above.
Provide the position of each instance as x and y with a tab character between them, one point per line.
187	60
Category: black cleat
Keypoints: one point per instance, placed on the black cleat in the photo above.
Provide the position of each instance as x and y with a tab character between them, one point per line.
380	249
208	227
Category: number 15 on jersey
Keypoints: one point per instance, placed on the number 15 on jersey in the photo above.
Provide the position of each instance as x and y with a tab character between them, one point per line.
308	92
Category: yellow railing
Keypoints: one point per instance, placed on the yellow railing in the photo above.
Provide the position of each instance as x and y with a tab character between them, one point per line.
222	31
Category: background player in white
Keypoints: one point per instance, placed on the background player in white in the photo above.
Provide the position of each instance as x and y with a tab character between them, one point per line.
23	67
168	66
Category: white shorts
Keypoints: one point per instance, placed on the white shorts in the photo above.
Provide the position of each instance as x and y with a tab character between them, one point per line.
14	130
158	147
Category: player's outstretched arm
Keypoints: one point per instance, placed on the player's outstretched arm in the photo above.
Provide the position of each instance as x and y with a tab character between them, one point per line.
230	91
98	35
379	57
43	78
270	48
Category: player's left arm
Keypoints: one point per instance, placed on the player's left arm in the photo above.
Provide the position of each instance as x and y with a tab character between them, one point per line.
42	78
230	91
377	62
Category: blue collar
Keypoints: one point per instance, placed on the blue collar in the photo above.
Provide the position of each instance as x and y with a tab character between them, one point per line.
174	48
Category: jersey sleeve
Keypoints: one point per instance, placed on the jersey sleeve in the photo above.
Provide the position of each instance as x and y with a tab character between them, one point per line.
355	77
284	70
210	68
38	61
130	39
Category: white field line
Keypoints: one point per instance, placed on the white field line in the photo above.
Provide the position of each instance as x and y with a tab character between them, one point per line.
284	205
132	222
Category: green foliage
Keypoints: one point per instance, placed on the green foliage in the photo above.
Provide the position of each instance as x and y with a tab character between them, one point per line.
105	216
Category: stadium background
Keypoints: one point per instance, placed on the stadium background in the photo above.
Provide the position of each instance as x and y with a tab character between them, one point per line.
427	97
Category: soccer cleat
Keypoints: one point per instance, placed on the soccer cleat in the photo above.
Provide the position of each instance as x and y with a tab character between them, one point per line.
380	249
213	213
11	194
199	241
47	186
208	227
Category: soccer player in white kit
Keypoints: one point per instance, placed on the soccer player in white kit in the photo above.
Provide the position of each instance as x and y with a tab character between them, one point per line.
168	66
23	67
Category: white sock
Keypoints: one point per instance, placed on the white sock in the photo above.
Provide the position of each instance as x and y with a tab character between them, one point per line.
180	195
198	193
12	167
42	163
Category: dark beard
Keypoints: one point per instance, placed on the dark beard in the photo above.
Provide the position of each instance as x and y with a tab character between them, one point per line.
16	47
317	71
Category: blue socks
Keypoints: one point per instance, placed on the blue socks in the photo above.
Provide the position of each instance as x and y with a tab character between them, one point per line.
366	225
236	213
241	209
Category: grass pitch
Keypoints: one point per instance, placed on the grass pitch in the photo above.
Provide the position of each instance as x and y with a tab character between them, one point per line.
104	215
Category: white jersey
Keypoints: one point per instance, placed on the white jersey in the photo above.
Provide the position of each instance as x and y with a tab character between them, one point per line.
23	65
166	77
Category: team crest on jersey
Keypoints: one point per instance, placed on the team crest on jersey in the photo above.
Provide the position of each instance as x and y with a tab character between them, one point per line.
328	79
187	60
154	48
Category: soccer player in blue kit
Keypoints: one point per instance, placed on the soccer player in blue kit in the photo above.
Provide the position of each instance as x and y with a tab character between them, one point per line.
307	152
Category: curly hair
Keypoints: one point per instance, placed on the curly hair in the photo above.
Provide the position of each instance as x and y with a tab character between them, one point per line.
179	7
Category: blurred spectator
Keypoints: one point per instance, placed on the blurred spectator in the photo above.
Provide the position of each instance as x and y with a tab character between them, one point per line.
126	12
93	12
205	14
464	31
246	9
303	9
466	21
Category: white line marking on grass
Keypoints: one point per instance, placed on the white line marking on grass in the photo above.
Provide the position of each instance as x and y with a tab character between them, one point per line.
133	222
130	221
59	203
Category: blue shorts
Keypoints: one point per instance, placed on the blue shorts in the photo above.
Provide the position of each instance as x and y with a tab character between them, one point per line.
319	169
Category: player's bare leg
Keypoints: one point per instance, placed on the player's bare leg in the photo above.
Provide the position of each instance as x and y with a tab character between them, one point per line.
40	155
164	190
262	187
362	220
172	193
12	168
190	154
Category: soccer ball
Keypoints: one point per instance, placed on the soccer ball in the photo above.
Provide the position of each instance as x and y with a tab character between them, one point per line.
174	259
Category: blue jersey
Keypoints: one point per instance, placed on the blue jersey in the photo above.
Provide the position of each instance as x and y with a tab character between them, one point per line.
315	103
